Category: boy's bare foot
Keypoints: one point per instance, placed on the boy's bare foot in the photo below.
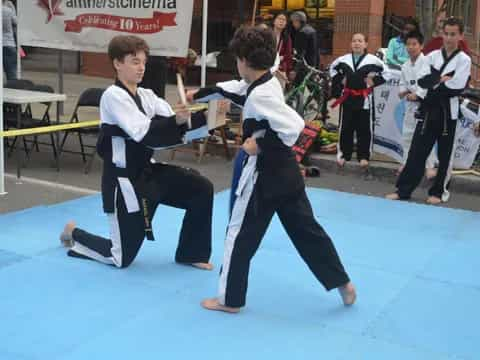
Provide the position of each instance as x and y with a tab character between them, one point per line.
431	173
214	304
341	162
202	265
66	236
433	200
392	196
348	294
364	163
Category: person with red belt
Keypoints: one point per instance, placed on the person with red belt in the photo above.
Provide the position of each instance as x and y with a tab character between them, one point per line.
354	76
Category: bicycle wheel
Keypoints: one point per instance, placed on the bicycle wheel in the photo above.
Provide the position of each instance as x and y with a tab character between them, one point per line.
296	103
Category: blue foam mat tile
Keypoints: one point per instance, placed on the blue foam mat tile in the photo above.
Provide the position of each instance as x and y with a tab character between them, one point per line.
375	349
433	316
285	288
329	204
7	258
393	250
8	355
187	331
84	300
456	263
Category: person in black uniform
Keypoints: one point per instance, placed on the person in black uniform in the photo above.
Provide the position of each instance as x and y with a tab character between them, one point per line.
134	122
270	180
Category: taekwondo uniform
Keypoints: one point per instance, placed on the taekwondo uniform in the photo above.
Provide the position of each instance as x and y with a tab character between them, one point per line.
411	72
441	109
132	126
356	100
270	182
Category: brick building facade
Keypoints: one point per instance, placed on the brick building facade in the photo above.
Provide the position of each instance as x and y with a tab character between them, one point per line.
346	17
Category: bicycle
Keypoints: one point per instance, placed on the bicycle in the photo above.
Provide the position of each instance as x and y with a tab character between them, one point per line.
309	98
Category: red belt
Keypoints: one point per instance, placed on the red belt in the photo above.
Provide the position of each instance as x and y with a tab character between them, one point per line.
352	92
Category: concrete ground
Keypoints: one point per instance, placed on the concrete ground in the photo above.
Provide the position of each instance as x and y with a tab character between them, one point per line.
42	184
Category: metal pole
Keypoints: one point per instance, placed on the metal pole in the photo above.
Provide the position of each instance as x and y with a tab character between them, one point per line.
2	165
203	79
60	80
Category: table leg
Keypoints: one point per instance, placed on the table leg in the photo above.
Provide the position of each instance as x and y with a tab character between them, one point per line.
57	137
19	162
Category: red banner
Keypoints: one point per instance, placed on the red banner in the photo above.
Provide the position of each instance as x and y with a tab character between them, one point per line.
121	23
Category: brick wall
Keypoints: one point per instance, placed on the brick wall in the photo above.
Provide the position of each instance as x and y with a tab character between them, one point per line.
351	16
400	7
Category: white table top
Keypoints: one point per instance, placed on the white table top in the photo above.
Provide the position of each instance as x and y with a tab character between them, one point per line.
16	96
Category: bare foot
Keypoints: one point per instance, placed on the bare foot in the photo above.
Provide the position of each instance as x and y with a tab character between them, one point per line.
392	196
431	173
348	294
202	266
66	236
341	162
214	304
364	163
433	200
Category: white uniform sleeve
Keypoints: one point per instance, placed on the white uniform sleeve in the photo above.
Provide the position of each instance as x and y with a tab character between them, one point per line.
233	90
118	108
462	74
281	118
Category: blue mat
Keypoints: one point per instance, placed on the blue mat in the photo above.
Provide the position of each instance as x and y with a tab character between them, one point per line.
415	268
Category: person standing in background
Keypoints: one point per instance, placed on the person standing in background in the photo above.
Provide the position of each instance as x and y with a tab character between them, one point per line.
305	44
397	53
284	47
9	18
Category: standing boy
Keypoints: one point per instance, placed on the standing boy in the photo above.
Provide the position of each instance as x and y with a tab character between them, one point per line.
270	180
413	69
447	78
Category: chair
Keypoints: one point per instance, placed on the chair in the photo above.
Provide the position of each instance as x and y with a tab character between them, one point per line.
10	111
88	98
44	120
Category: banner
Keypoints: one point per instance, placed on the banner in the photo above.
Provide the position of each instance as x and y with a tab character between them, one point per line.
466	144
389	113
88	25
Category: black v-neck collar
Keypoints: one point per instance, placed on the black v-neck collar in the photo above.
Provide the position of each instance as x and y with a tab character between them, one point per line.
136	98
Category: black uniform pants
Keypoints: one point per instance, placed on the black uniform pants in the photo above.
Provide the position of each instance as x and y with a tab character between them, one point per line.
250	218
355	122
165	184
438	130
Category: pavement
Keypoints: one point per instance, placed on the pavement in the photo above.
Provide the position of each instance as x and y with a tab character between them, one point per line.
41	183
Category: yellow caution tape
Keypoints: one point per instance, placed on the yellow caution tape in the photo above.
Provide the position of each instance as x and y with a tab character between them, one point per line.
466	172
49	129
70	126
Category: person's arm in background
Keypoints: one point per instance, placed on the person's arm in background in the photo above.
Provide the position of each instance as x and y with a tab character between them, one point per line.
391	52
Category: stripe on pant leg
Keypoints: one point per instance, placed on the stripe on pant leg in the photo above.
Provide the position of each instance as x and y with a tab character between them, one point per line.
339	150
116	250
236	220
446	194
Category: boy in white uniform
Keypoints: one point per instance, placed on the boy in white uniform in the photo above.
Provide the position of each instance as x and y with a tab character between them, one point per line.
413	69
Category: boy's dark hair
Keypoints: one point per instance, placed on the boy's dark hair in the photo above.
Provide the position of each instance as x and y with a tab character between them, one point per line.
415	35
256	45
123	45
453	21
411	21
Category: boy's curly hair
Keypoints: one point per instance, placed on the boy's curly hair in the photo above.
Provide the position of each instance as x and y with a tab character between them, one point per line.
256	45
